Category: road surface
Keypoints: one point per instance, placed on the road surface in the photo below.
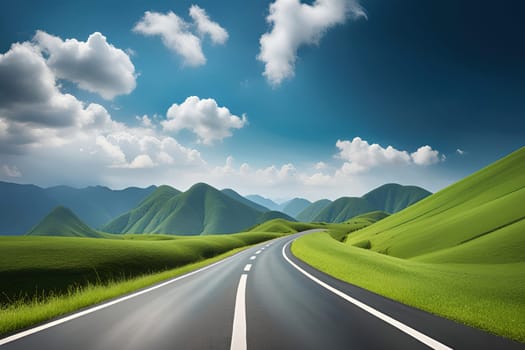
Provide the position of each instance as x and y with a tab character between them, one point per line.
261	298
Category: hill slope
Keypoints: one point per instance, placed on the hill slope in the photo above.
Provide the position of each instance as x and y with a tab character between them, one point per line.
310	212
200	210
294	206
234	195
480	205
392	198
61	221
458	253
23	206
389	198
96	205
265	202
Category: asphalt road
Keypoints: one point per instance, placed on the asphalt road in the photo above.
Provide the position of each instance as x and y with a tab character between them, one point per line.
256	299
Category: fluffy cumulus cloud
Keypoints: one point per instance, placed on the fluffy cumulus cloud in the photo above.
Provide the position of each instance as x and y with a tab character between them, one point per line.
425	155
295	24
94	65
144	148
205	26
43	125
33	110
181	37
204	118
359	156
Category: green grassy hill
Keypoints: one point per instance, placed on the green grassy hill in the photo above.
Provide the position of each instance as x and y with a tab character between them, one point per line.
63	222
97	205
23	206
343	209
459	253
389	198
200	210
295	206
392	198
16	215
265	202
477	206
234	195
309	213
31	266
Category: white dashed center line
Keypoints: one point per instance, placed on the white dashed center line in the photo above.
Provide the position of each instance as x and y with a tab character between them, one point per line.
258	252
252	257
239	317
247	267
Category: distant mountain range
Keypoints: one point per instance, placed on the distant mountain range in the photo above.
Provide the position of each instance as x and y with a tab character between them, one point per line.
292	207
61	221
389	198
23	206
200	210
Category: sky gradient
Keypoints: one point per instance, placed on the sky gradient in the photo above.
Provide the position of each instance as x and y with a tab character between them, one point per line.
318	99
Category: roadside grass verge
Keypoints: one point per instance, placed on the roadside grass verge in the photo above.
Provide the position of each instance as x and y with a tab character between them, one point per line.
486	296
40	266
46	304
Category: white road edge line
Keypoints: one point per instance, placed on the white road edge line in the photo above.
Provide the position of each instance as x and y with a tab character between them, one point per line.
252	257
432	343
37	329
239	317
247	267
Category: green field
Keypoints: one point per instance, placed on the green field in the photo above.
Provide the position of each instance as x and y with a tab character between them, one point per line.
45	277
39	266
459	253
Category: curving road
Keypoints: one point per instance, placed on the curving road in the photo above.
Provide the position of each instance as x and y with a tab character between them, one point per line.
261	298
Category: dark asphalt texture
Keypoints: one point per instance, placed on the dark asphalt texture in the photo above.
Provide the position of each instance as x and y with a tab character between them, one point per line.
284	310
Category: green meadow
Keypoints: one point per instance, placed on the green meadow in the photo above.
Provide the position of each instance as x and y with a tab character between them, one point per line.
45	277
459	253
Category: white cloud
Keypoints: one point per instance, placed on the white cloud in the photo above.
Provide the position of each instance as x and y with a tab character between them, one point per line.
320	166
175	35
425	155
178	36
40	123
11	171
204	118
360	156
94	65
205	26
33	111
145	121
295	24
142	161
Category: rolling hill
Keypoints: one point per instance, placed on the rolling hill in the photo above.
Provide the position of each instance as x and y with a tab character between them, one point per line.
23	206
479	208
265	202
97	205
309	213
200	210
234	195
459	253
16	215
61	221
294	206
389	198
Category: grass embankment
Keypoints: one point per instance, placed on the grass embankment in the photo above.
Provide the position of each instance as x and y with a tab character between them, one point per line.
486	296
459	253
45	277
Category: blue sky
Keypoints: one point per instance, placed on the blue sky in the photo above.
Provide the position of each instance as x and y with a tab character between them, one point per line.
407	74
